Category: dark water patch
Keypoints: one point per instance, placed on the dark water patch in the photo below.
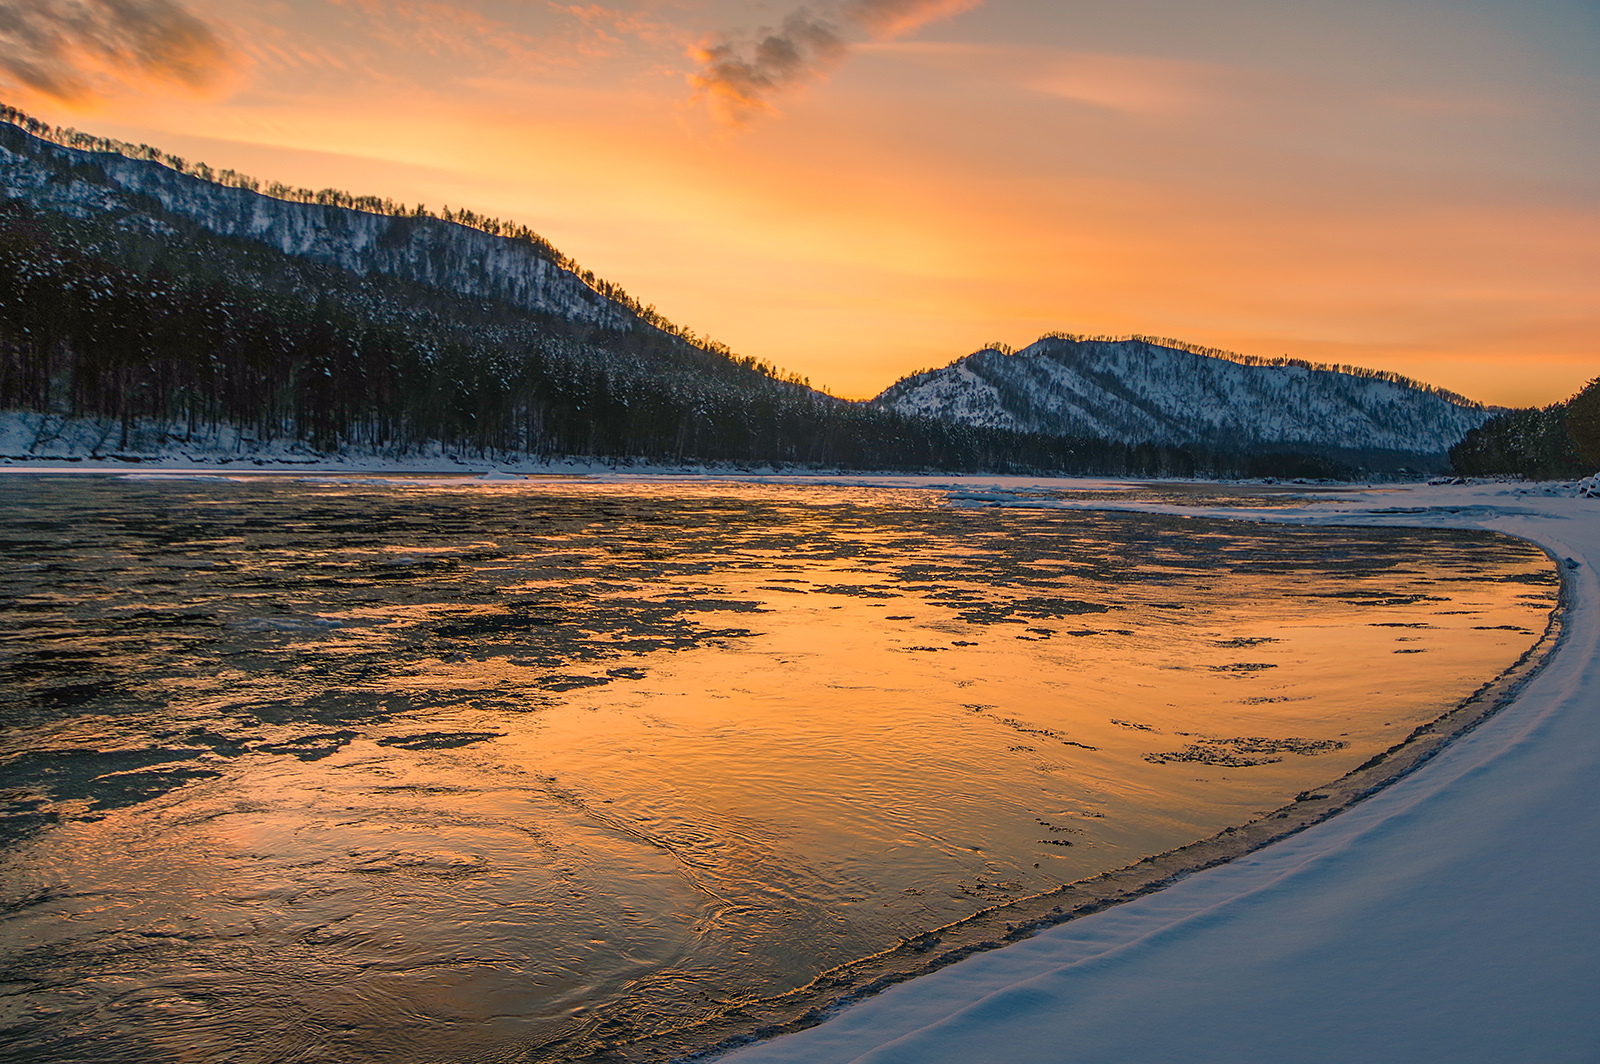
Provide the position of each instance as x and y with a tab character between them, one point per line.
313	747
114	790
1244	752
1550	579
1027	729
1378	598
438	740
95	779
572	683
856	591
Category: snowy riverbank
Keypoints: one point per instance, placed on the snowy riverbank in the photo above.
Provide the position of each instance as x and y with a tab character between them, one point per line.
1450	917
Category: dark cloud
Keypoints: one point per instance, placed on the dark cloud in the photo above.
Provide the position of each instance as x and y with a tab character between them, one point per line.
63	48
740	86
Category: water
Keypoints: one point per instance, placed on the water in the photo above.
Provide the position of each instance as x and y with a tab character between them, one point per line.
323	769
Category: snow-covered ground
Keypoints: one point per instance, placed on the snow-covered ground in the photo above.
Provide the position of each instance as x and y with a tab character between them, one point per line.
1452	917
31	441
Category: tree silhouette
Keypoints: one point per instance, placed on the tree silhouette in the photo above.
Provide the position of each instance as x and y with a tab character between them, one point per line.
1583	423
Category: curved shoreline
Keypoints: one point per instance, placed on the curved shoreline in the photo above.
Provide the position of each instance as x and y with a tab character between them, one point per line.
989	929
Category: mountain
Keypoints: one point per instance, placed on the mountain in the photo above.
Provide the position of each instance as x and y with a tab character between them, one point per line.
363	235
149	306
1143	390
160	300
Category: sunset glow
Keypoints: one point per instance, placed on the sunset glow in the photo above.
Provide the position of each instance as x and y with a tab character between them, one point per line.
859	190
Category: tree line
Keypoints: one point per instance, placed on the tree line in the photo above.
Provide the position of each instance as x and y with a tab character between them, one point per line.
1556	442
190	331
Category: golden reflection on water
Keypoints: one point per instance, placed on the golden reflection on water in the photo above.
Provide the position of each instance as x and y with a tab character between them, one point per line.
336	770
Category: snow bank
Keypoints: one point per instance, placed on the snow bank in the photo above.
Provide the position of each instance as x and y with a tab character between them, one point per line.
1450	917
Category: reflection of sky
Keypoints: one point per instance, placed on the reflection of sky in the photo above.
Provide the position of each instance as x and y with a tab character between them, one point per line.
890	183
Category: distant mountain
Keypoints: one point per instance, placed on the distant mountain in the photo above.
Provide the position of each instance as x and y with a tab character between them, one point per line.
1143	390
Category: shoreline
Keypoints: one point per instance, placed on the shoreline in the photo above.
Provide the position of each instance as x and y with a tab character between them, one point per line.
999	926
1447	916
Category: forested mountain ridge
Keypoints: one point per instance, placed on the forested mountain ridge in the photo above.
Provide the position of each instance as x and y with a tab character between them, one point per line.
147	303
409	246
1138	389
141	330
342	328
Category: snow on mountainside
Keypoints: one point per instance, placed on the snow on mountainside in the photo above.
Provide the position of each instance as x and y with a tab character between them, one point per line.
1137	391
430	251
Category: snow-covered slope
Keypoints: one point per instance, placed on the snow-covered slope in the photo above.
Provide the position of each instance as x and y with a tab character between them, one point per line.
1137	391
455	258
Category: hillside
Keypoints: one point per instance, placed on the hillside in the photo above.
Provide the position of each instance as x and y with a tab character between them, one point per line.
150	306
1135	390
130	328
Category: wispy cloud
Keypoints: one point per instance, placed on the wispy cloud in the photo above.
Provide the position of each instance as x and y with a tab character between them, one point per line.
612	25
460	42
740	75
69	48
887	19
1149	85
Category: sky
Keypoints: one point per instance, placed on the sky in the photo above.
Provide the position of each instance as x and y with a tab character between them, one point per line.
861	189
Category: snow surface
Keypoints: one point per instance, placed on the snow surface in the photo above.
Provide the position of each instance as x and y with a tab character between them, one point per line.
1454	916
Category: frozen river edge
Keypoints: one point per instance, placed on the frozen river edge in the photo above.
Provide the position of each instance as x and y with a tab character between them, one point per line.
1447	917
1001	925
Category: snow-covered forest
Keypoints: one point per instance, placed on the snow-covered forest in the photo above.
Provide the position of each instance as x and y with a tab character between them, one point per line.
165	301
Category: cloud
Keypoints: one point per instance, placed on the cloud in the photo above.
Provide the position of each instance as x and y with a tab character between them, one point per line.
887	19
611	25
68	48
739	84
739	88
1150	85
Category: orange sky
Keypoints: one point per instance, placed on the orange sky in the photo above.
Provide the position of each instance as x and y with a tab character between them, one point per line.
856	190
